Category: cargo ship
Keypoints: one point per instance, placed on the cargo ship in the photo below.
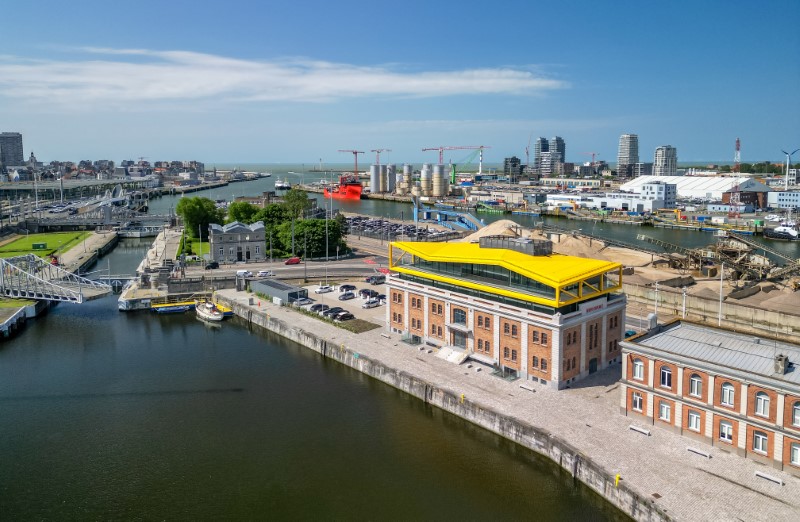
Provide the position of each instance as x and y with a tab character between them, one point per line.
349	187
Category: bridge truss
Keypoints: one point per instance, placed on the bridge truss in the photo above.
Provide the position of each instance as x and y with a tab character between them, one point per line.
31	277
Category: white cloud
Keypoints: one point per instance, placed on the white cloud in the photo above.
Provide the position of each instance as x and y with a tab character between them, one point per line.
135	76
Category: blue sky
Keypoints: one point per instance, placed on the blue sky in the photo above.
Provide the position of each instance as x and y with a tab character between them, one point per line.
248	81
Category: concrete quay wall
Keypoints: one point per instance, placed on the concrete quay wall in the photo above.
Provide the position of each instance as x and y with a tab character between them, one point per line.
535	438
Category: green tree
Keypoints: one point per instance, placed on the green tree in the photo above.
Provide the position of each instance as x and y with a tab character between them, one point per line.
272	215
243	212
297	202
197	213
309	238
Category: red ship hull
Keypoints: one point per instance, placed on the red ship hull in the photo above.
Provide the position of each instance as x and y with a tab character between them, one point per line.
345	190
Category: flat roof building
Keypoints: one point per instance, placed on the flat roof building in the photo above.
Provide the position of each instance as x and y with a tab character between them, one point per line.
732	390
511	304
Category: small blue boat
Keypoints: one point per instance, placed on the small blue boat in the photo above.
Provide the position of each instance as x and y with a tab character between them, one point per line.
175	308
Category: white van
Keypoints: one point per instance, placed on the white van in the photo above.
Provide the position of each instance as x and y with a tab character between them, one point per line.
244	273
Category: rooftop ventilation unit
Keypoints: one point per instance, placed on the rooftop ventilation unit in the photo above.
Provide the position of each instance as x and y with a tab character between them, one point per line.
781	363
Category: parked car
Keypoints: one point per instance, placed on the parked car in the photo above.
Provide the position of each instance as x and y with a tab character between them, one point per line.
213	265
366	293
347	288
292	261
346	296
371	303
303	301
318	308
331	312
344	316
381	298
265	273
376	279
323	289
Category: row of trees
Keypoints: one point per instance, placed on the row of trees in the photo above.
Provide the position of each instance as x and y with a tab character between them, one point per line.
287	232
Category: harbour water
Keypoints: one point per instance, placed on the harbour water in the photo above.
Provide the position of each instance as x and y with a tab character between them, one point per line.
108	415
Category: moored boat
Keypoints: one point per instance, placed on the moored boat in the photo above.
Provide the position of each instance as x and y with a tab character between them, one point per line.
782	232
282	185
349	187
208	311
173	308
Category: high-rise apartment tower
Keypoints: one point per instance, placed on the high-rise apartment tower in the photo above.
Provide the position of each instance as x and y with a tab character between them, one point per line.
627	154
665	162
11	149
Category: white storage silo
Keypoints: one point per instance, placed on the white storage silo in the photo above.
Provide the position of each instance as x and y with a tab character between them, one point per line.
391	177
374	179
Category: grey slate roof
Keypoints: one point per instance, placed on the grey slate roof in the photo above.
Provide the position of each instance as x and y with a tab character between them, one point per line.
738	351
236	227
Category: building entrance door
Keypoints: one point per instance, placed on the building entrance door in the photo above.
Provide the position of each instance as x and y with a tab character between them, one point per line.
592	365
460	340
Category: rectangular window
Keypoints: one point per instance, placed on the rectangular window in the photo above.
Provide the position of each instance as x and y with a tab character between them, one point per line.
666	377
760	441
513	355
505	352
480	321
535	337
694	421
663	411
222	251
726	431
258	249
636	401
487	346
544	338
795	454
480	344
514	330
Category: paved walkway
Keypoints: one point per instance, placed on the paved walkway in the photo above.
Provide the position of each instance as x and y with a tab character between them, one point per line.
689	486
76	256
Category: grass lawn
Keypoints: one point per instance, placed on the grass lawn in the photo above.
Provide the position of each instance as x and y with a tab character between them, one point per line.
57	243
195	245
15	303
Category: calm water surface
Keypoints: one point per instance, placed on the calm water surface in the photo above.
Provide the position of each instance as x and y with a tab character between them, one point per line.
108	415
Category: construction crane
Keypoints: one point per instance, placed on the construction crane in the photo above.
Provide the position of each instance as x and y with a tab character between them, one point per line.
592	154
355	156
378	154
442	149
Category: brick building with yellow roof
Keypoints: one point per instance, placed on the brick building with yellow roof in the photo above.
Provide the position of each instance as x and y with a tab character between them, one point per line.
509	303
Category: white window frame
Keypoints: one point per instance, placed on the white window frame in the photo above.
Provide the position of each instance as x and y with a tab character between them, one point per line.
794	454
695	385
664	411
760	442
665	372
638	369
694	421
762	404
727	431
796	414
636	398
728	395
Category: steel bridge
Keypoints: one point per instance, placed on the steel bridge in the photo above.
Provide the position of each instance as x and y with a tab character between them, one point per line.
31	277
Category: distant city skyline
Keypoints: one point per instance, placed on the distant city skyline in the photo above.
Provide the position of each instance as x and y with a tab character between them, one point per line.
270	83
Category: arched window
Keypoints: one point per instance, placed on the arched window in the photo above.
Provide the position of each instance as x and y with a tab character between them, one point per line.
695	385
535	362
762	404
638	369
666	377
728	395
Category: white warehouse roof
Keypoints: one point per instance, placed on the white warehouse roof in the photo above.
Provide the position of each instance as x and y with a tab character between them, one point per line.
699	186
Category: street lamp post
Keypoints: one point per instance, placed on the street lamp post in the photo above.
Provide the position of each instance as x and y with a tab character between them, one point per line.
788	161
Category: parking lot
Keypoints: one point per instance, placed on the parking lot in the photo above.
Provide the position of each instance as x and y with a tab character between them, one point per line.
375	314
379	228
